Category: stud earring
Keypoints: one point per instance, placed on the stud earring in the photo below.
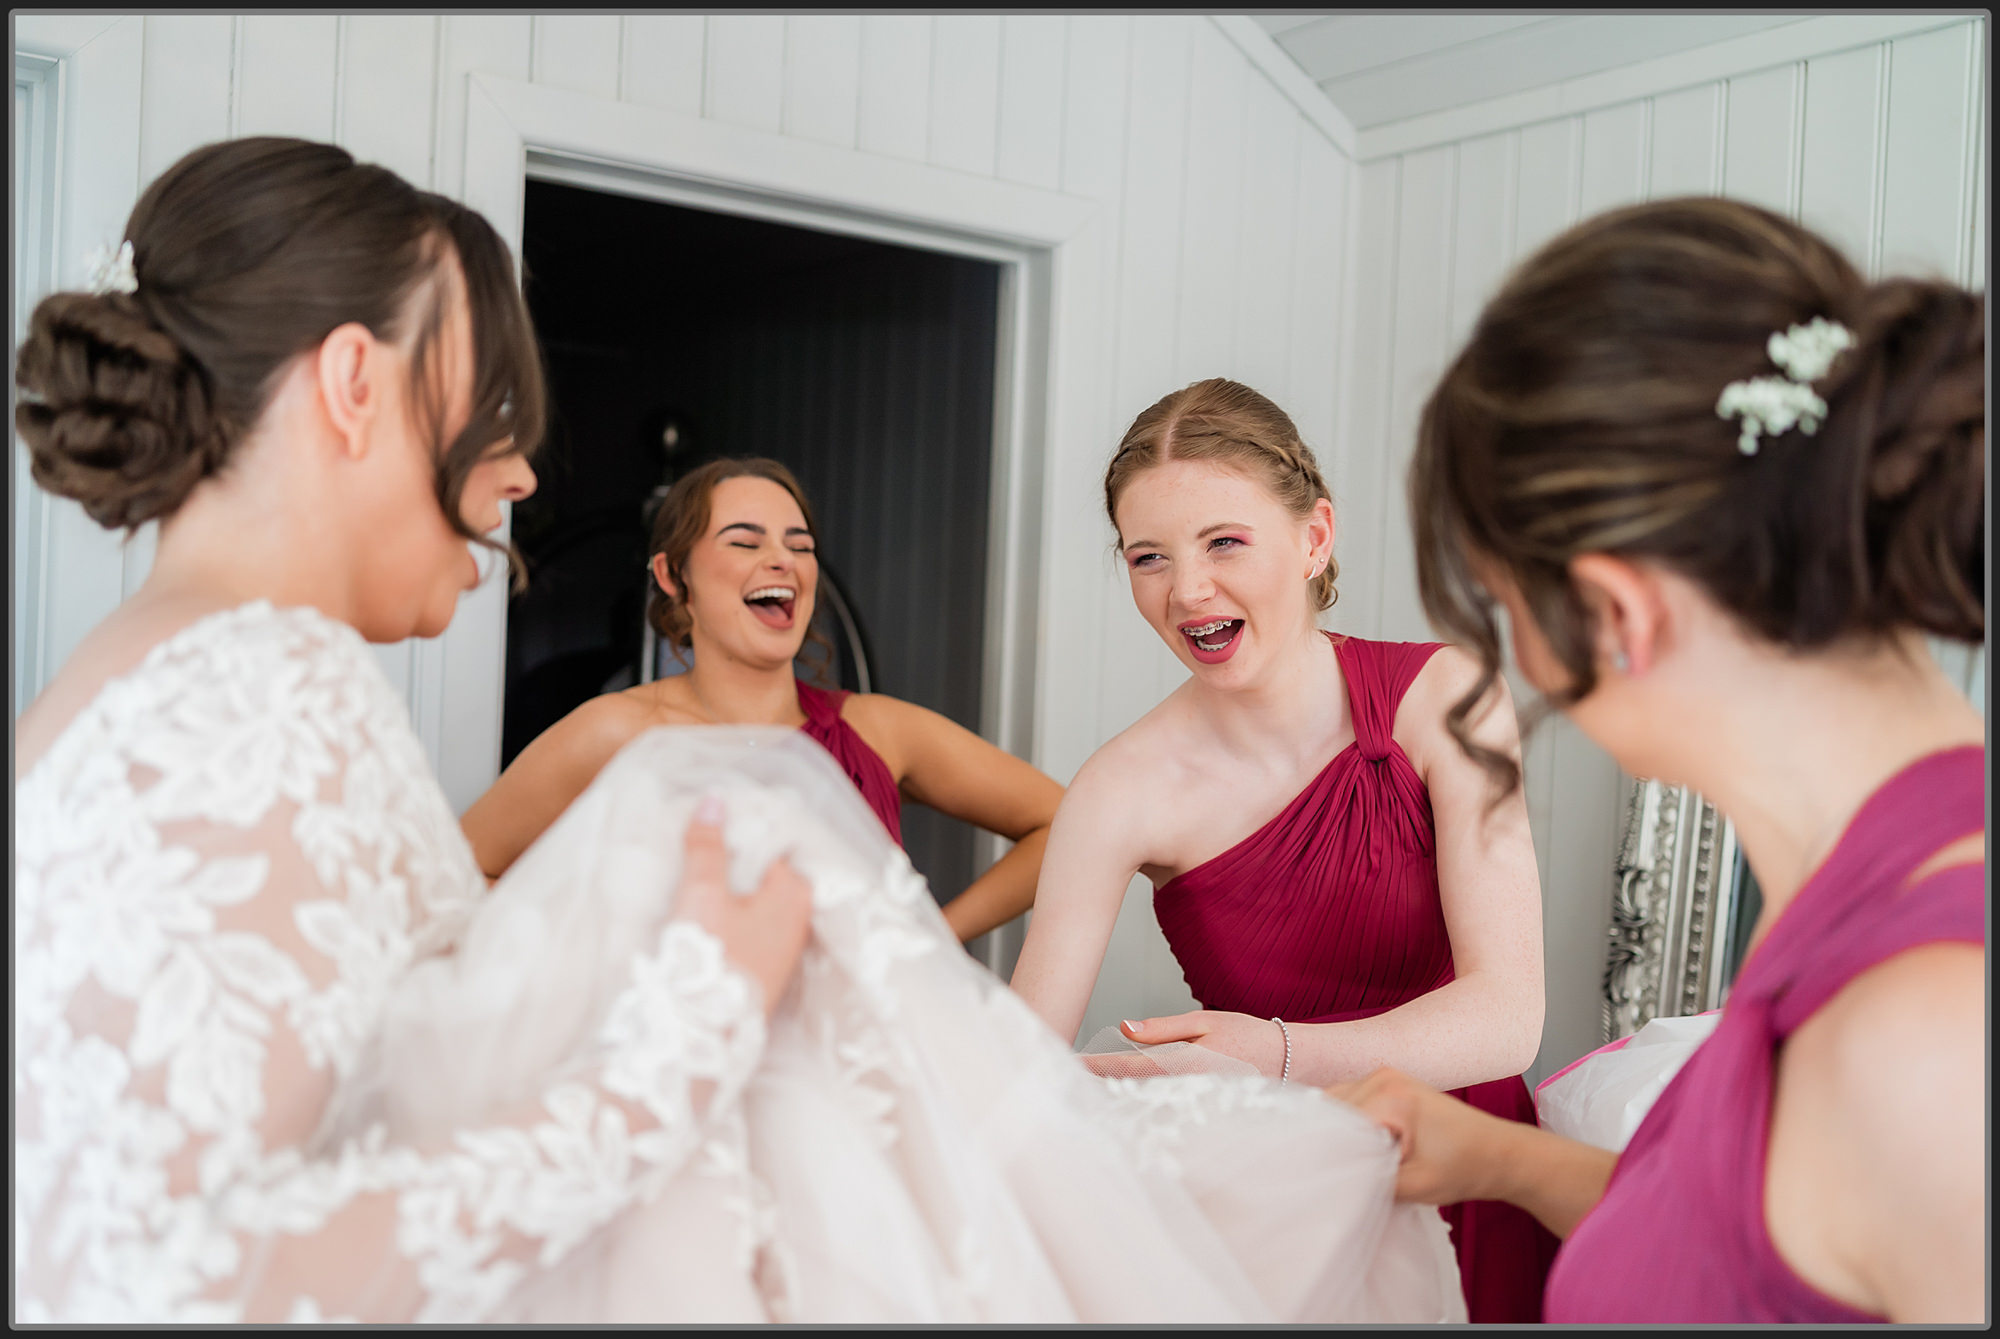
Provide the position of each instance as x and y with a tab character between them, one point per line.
1620	661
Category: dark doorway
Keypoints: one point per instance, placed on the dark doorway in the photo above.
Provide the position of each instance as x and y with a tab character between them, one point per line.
677	335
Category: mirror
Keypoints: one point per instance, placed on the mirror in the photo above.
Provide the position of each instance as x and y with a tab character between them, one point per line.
1682	911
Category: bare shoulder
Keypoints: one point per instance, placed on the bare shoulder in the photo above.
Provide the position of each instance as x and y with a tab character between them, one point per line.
1887	1082
878	713
898	731
1130	783
598	728
1157	739
1446	678
1920	1016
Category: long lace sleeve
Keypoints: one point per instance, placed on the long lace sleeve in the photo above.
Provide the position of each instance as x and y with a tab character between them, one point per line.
227	863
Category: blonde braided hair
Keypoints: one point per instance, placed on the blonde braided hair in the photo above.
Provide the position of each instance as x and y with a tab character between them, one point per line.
1229	424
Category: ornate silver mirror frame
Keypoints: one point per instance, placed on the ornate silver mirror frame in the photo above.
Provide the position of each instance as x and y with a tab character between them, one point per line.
1681	912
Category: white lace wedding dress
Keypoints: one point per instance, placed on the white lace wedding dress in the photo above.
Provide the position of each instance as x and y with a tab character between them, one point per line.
280	1054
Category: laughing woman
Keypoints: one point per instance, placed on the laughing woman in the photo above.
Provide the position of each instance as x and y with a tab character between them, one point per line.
1325	866
736	573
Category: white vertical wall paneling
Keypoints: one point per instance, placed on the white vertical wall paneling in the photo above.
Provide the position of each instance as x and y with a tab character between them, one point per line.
1369	363
1138	967
1614	158
965	92
184	101
1423	288
662	55
285	74
895	94
1267	220
1211	206
1760	154
1096	68
1926	157
1319	250
1545	198
578	52
822	77
1686	133
387	69
1840	149
745	81
500	44
1481	231
1032	87
1078	571
103	85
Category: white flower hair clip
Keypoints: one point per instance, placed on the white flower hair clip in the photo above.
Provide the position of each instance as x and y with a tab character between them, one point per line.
1774	405
111	272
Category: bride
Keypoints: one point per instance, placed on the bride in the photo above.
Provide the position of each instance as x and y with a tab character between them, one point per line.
707	1052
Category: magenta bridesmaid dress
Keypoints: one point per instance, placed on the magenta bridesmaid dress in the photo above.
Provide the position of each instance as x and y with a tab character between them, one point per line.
863	765
1330	912
1679	1236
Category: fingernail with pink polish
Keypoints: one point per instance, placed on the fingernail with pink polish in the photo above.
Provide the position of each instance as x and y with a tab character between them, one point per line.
709	811
1131	1026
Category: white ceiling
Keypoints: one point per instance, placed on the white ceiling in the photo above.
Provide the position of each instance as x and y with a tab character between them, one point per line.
1379	68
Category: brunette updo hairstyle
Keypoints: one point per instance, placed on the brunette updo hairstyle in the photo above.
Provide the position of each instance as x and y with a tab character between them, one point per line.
683	519
1581	418
248	253
1225	423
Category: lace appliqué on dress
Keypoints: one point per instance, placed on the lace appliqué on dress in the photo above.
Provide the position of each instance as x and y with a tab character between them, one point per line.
225	864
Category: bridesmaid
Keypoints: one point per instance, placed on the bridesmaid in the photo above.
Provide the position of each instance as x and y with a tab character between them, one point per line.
733	560
1326	866
1722	485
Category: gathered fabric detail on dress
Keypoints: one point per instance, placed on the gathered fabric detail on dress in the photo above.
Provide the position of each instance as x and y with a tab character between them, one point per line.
1680	1236
1331	908
1330	912
863	765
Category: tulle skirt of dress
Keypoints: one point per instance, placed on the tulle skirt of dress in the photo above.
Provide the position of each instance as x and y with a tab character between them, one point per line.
915	1145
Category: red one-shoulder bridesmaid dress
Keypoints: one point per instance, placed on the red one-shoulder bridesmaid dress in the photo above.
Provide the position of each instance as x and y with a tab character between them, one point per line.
1330	912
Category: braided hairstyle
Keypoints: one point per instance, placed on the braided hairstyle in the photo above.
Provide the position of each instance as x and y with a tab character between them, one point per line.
248	253
1227	423
1581	418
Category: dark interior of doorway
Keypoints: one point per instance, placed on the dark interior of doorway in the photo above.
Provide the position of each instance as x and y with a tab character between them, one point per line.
675	335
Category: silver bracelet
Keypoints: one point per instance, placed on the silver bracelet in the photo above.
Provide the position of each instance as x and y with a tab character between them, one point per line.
1285	1073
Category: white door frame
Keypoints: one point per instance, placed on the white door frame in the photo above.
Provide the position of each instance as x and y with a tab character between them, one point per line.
517	130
